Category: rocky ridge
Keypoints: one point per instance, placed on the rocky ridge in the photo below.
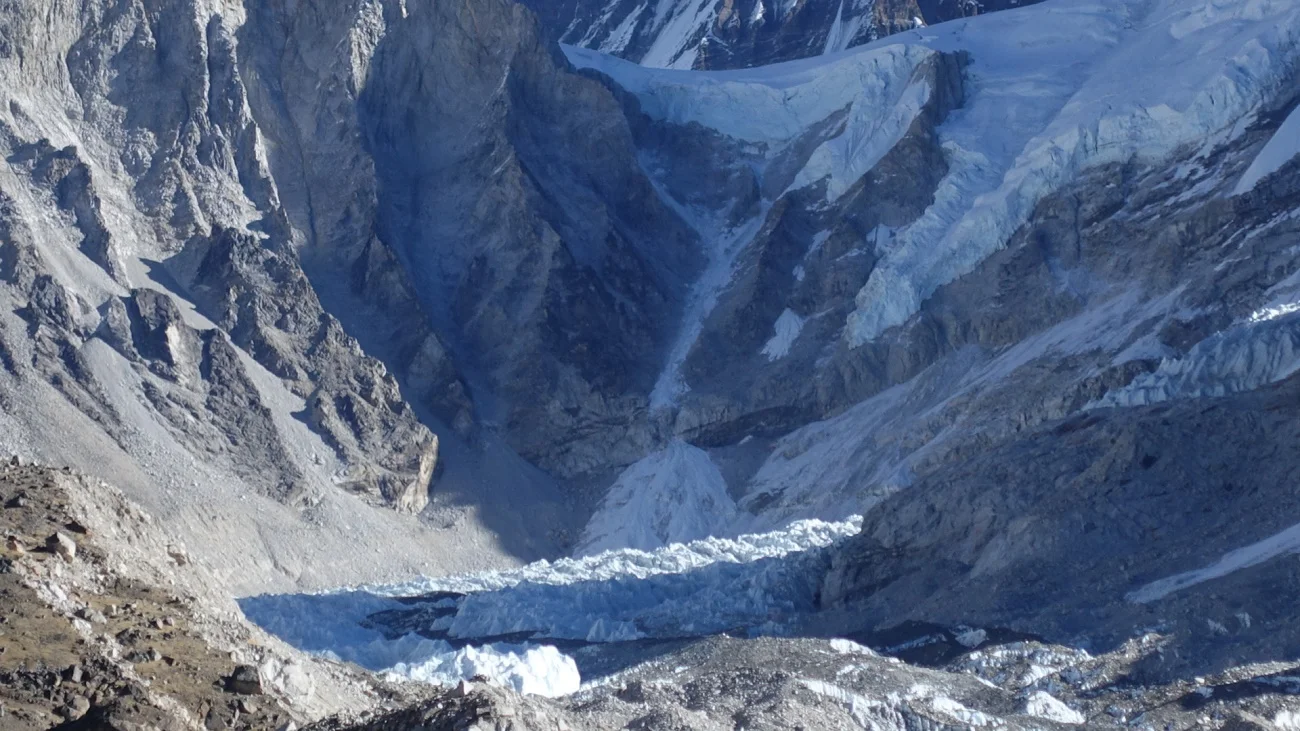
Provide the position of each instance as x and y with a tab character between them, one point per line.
735	34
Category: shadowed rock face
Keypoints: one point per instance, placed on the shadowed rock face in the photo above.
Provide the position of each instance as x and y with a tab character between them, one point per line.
502	200
734	34
534	238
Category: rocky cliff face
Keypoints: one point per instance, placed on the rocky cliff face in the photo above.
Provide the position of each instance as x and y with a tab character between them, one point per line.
735	34
389	243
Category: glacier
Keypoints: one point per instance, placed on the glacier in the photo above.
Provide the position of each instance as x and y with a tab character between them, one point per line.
1079	106
762	583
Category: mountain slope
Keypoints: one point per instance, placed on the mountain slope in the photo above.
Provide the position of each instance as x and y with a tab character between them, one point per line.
197	303
929	246
731	34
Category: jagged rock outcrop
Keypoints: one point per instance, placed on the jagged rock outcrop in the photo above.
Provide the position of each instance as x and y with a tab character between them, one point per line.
104	629
202	390
1093	525
260	296
542	255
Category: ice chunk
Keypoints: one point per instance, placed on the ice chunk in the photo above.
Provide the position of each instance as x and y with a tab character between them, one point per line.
540	670
787	329
1044	706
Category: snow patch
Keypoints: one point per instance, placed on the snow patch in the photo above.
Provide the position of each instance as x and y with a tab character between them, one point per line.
540	670
671	496
858	706
849	647
1284	542
786	331
972	637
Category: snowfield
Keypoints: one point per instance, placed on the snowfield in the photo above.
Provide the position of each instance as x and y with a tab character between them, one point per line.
756	583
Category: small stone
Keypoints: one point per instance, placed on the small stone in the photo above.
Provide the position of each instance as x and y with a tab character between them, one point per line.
13	544
462	689
247	706
76	527
245	681
62	545
73	674
76	708
178	554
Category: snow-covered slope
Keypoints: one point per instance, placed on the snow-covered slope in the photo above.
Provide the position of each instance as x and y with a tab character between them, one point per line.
1049	99
1067	75
725	34
1051	93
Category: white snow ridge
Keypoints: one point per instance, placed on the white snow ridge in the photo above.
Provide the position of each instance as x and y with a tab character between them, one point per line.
1281	149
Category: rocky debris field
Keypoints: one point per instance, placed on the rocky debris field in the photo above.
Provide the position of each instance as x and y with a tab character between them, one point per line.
82	644
105	625
771	683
